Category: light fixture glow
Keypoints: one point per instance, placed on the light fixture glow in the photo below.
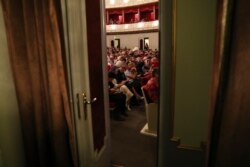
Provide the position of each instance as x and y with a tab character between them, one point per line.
112	2
126	26
125	1
140	25
112	27
155	23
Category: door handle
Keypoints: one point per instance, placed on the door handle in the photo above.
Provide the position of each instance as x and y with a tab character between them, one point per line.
78	105
85	102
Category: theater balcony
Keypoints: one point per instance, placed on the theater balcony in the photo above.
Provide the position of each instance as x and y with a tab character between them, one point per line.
133	27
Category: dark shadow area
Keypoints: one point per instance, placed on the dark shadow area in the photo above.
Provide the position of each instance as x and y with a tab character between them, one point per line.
130	148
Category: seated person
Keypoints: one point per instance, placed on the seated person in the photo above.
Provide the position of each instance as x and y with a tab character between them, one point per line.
146	75
139	65
133	81
116	97
152	87
120	75
120	86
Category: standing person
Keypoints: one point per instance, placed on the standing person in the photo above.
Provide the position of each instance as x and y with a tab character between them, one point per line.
146	46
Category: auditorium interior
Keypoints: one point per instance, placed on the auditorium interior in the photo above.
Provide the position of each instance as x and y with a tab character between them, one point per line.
124	83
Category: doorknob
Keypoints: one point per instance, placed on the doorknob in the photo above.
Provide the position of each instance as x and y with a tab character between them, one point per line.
85	102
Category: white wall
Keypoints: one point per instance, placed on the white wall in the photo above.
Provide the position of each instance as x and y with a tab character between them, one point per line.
11	145
132	40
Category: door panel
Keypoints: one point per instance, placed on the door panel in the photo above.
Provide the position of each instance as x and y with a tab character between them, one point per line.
94	37
85	42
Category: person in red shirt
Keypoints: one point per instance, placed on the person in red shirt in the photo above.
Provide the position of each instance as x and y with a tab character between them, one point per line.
152	87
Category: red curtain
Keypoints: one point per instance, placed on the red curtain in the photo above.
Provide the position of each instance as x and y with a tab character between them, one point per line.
34	32
119	11
131	10
147	8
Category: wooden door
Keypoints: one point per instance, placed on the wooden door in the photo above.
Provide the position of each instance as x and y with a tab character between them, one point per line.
85	38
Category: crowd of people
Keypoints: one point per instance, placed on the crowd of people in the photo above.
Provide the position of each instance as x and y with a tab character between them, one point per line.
130	71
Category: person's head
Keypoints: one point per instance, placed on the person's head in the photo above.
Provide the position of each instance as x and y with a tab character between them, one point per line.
155	72
139	59
111	76
123	59
133	70
122	68
131	65
154	59
111	57
145	68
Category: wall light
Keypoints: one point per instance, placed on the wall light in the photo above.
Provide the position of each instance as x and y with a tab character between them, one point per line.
112	27
125	1
112	2
155	23
126	26
140	25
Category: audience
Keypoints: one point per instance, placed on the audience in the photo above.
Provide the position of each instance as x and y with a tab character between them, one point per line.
129	70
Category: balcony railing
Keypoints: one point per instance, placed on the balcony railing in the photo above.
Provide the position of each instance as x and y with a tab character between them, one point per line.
126	3
141	26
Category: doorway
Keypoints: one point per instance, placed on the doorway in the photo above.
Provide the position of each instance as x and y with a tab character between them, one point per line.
76	47
87	54
137	135
166	118
146	43
117	43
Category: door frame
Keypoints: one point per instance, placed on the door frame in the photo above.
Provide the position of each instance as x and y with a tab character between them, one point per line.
169	154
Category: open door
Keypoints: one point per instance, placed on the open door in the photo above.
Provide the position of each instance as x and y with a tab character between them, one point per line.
85	42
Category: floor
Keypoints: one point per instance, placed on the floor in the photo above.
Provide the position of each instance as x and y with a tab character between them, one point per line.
130	148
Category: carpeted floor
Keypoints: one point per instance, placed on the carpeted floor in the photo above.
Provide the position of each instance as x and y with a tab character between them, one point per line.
130	148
